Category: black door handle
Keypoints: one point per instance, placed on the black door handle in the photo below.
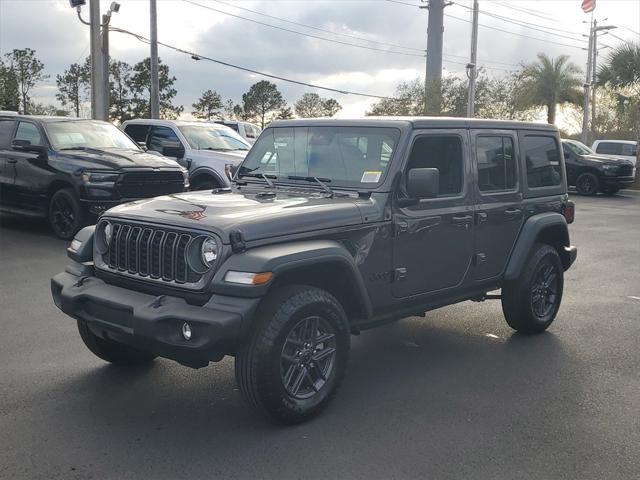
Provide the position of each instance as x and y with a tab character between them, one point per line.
481	218
512	212
12	160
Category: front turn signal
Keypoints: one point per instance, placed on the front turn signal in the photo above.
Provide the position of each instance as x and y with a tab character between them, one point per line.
248	278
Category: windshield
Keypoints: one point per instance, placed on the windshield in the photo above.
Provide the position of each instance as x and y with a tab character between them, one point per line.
345	156
71	135
578	148
206	137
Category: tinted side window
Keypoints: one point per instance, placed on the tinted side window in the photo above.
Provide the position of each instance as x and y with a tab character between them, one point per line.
29	132
162	137
249	132
542	157
443	153
137	132
609	148
6	130
496	164
628	149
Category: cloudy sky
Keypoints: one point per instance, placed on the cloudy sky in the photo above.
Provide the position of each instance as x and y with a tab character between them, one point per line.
393	33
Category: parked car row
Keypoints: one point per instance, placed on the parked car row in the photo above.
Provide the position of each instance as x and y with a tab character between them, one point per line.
70	170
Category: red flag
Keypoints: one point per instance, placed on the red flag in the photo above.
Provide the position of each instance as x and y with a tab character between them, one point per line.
588	5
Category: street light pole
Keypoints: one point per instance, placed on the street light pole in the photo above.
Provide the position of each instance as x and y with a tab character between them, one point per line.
155	82
97	66
472	67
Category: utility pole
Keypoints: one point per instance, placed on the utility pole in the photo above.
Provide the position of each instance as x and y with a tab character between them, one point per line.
97	65
587	90
433	74
472	67
155	82
594	72
105	63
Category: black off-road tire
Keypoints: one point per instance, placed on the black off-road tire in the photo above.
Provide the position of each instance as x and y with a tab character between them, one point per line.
110	351
587	184
259	363
65	213
519	296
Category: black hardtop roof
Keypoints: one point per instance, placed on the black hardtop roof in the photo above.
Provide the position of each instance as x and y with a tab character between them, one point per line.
47	118
414	122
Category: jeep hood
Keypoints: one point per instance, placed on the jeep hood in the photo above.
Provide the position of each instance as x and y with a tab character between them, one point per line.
256	216
116	159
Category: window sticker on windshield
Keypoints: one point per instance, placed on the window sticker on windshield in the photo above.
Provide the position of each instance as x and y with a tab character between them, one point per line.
371	177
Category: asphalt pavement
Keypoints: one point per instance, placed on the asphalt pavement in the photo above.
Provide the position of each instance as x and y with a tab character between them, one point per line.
454	395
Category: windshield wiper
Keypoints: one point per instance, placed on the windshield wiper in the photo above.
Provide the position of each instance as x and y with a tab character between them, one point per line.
265	177
319	181
72	148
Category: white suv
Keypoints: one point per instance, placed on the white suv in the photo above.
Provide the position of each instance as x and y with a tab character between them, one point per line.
627	149
210	151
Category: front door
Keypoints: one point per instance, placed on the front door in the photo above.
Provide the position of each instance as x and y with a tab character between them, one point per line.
433	238
33	173
498	214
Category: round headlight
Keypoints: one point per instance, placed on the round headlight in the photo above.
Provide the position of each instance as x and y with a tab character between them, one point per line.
209	251
106	234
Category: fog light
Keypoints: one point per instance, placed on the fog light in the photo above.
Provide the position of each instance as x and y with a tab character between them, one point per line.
186	331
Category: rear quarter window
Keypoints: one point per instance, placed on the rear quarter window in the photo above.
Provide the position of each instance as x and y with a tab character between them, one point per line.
542	160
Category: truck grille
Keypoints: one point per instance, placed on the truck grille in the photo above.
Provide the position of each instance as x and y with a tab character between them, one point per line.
626	170
150	184
150	252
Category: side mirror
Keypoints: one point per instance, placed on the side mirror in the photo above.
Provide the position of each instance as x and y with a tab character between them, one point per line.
142	145
26	146
423	182
566	155
175	151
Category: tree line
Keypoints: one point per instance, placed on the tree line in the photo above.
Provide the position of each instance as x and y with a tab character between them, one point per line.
545	84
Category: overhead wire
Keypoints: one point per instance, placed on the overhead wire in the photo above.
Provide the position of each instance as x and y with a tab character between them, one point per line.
318	37
197	56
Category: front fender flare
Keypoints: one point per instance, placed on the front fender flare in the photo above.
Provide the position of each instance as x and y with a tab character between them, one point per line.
286	257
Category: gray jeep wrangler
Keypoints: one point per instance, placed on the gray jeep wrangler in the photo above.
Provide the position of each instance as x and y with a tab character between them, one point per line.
331	227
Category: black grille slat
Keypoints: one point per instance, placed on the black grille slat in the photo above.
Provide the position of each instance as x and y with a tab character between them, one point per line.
148	184
150	252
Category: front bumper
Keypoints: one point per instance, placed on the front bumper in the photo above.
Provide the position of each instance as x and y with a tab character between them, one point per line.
151	323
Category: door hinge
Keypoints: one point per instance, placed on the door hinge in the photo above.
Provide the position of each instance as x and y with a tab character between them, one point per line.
399	274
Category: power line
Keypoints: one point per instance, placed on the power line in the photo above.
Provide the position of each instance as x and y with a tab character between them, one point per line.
303	33
197	56
532	26
355	37
526	11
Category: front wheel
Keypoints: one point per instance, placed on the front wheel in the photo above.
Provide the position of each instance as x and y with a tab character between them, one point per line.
295	357
66	215
587	184
530	303
110	351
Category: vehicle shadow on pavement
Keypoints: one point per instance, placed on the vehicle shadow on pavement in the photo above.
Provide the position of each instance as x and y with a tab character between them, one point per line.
27	225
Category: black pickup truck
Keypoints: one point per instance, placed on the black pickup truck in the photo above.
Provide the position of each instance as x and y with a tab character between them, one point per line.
331	227
69	170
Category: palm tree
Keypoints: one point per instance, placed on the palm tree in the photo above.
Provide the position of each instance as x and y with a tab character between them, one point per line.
621	72
548	83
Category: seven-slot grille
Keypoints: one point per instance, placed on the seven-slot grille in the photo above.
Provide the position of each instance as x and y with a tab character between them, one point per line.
150	184
150	252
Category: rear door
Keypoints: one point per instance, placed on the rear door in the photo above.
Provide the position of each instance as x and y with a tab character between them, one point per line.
7	163
498	198
433	239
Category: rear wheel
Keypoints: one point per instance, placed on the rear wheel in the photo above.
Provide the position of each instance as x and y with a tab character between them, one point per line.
530	303
295	358
110	351
587	184
66	215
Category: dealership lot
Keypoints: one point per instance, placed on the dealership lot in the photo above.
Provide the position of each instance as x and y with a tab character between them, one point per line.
451	395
